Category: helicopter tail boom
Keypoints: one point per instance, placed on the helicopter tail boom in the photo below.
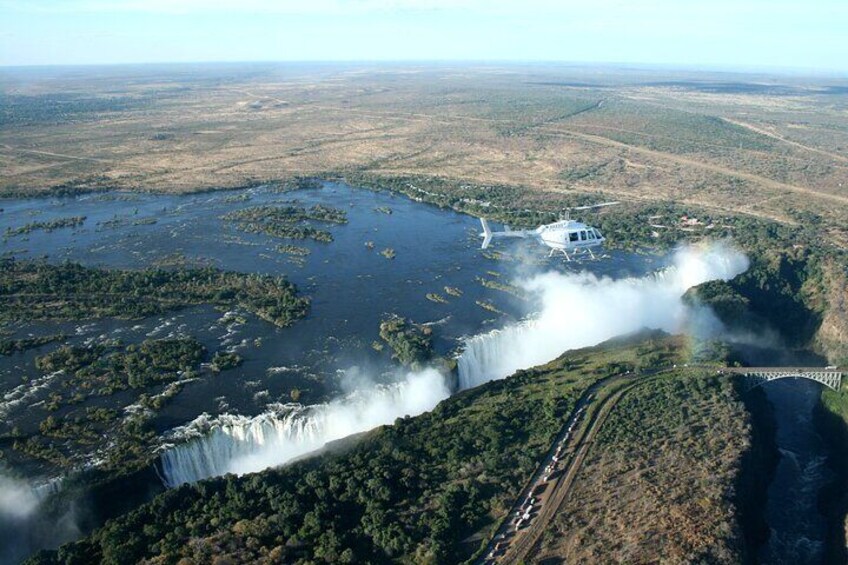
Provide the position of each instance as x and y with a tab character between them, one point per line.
488	234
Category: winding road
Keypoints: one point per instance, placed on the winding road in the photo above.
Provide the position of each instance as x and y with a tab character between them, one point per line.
511	545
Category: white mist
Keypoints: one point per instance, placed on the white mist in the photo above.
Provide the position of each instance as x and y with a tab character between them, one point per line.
578	310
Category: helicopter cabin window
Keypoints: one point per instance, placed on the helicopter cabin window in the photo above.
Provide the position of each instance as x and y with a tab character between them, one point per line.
591	234
572	236
597	234
582	236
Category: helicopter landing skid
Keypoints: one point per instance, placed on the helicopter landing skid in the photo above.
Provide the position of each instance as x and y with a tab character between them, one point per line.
578	255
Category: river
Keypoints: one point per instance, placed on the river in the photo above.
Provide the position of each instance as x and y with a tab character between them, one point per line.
240	421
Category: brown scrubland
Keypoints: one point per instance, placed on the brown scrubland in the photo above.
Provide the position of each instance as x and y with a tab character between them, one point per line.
770	147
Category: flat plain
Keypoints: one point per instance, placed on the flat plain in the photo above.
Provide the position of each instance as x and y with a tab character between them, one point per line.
773	147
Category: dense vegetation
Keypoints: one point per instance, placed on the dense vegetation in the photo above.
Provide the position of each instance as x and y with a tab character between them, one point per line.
136	366
32	290
222	360
74	424
298	183
294	250
503	287
289	222
411	344
785	289
728	304
9	346
414	491
49	225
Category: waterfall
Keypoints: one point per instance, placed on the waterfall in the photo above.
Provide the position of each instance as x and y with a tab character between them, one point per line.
217	446
578	310
497	354
208	447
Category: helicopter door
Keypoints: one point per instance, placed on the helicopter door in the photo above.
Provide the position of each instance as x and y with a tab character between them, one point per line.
582	236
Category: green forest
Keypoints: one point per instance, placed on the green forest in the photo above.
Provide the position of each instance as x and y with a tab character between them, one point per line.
288	222
415	491
37	290
74	423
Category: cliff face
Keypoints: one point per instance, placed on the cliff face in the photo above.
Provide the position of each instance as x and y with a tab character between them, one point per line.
831	420
832	335
803	297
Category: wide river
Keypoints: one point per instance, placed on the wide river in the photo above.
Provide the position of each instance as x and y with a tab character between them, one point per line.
352	287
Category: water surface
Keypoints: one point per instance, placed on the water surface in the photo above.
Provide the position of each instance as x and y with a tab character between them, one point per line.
351	286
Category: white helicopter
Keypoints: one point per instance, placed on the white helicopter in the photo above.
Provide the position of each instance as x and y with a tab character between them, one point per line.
568	236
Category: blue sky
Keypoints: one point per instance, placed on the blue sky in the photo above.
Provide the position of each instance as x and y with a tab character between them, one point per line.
773	34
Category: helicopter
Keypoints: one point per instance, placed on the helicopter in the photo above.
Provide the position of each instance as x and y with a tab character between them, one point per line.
572	238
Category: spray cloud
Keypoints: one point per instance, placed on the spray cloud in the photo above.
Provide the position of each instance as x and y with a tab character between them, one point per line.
577	310
238	444
17	499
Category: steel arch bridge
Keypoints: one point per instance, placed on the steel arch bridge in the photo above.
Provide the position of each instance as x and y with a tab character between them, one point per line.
756	376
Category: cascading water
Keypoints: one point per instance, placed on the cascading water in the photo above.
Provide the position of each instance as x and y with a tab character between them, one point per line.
220	445
578	310
238	444
494	355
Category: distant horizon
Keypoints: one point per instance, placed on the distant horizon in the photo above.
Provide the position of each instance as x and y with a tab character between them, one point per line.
772	71
751	35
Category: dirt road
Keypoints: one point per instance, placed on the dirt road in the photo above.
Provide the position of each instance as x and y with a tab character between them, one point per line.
511	544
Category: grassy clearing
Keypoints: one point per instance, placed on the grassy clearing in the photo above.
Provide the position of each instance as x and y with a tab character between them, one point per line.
551	130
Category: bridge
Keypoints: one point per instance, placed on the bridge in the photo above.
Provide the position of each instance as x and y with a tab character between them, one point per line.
755	376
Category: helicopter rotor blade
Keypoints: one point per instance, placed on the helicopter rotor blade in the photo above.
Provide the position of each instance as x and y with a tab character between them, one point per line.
601	205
